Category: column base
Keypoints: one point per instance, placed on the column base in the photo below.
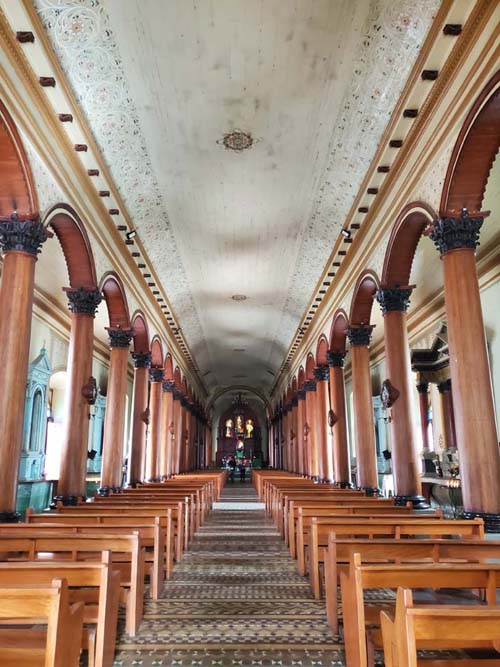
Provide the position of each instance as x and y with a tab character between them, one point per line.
343	485
66	500
106	491
418	502
371	490
491	521
133	483
10	517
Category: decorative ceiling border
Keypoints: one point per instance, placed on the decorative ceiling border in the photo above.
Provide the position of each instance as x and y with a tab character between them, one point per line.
70	171
362	246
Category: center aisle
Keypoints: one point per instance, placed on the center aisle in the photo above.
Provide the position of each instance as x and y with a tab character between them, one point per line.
236	599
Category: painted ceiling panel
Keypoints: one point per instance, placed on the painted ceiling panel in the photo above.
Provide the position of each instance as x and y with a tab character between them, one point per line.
312	81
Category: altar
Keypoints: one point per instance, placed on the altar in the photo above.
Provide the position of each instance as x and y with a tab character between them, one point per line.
239	435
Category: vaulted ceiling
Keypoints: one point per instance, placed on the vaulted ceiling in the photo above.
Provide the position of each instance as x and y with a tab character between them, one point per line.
164	82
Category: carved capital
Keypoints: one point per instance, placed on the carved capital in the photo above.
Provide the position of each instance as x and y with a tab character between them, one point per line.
321	373
156	374
444	387
310	385
394	298
141	359
389	394
423	387
83	301
360	336
119	337
335	359
295	402
456	233
168	385
301	394
22	235
177	394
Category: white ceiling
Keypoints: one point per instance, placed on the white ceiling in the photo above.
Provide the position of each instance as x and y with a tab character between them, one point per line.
313	81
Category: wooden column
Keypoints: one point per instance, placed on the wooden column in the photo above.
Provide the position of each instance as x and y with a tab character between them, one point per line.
294	435
324	438
366	457
154	434
114	420
477	438
270	453
21	241
140	418
447	414
310	430
423	404
167	430
177	432
209	441
397	395
286	437
81	393
341	463
301	421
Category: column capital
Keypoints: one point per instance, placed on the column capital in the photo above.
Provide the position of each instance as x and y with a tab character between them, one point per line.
301	394
360	335
177	394
295	401
423	387
335	358
444	386
83	301
394	298
22	235
141	359
168	386
456	233
119	337
321	373
156	374
310	385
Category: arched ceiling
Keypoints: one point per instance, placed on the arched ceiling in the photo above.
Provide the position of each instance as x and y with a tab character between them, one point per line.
162	82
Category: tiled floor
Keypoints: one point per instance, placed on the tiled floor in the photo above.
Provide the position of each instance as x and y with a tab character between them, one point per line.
236	599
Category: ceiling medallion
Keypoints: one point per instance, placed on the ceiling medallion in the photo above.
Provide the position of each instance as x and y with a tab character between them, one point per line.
237	140
239	297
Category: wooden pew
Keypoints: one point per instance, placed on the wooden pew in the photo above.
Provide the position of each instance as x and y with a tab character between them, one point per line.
127	555
133	505
155	533
137	510
446	626
360	619
341	551
312	532
58	645
363	506
96	585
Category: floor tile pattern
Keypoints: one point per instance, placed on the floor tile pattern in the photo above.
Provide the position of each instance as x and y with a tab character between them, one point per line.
235	599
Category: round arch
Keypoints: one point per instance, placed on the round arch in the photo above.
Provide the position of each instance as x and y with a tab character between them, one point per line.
405	235
301	377
321	351
362	300
177	378
338	331
156	352
294	385
169	367
473	154
310	364
140	333
17	188
114	295
72	235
